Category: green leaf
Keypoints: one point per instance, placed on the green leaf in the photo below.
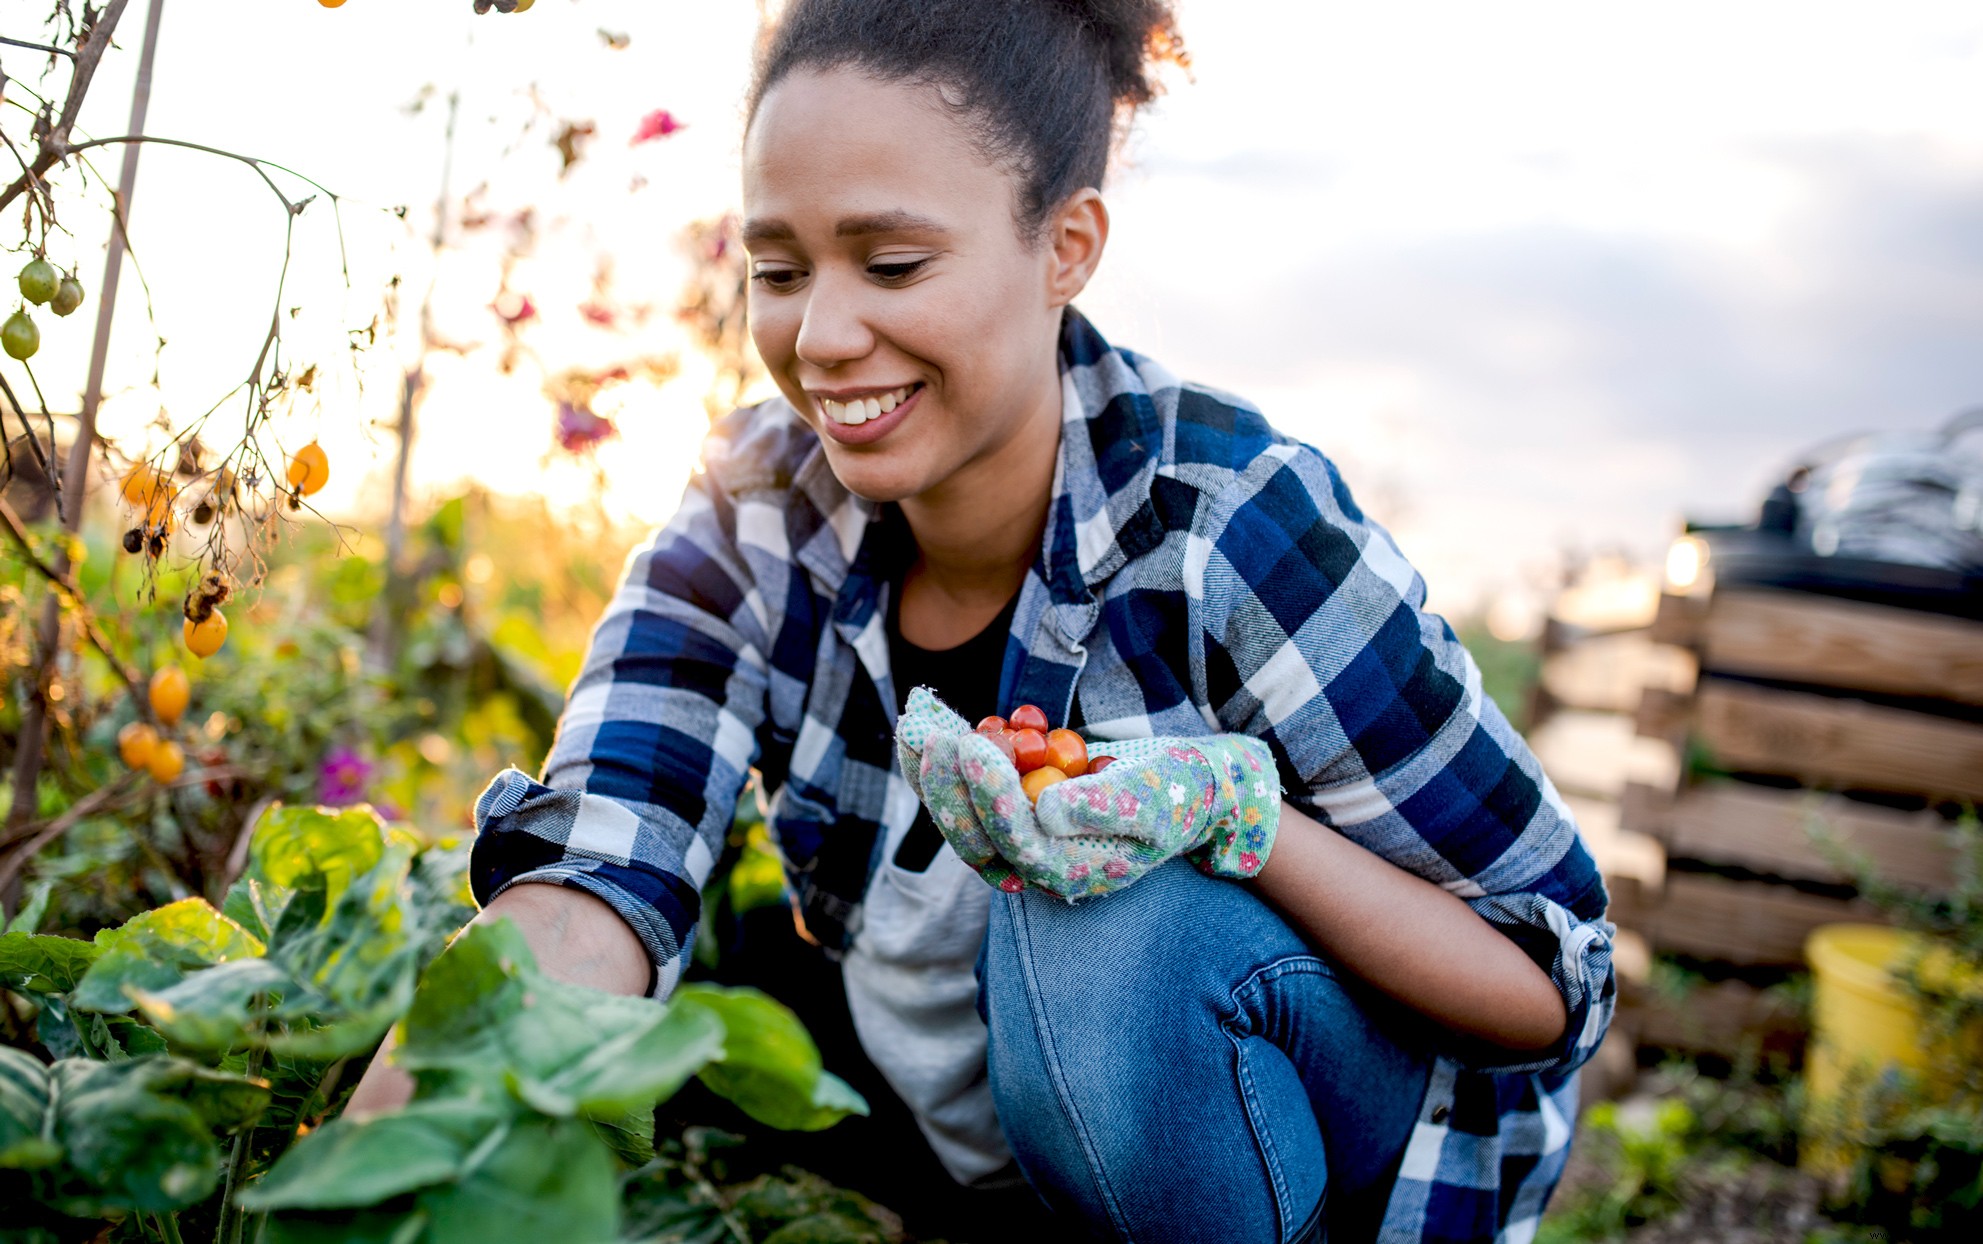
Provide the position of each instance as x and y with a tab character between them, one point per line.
208	1010
156	950
24	1113
770	1066
352	1165
358	953
300	848
253	904
475	984
32	964
642	1055
190	931
549	1179
138	1134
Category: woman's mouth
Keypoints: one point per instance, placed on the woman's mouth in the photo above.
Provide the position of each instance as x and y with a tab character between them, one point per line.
865	419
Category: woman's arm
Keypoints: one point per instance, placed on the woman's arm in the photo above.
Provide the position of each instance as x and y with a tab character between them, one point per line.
575	936
1409	938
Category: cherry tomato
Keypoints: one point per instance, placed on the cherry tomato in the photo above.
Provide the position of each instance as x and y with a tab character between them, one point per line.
1098	763
1003	742
991	725
171	690
309	470
135	744
1029	750
1039	779
1067	752
38	281
166	762
205	638
1028	717
68	296
19	337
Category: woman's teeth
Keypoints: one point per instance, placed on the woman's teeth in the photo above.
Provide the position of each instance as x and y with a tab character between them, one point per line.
860	410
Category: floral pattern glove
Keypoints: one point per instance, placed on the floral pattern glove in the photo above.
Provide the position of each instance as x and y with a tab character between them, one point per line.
1216	799
927	736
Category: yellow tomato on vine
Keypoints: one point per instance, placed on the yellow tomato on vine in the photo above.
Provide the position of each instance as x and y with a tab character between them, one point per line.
309	469
170	693
135	744
206	637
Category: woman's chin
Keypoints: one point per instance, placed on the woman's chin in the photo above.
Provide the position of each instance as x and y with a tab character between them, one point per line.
874	477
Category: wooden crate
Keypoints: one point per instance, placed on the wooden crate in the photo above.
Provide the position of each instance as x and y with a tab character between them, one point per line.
1803	696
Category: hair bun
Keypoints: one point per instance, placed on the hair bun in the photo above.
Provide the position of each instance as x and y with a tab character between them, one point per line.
1139	36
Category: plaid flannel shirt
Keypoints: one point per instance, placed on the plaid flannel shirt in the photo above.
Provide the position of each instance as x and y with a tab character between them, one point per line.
1200	572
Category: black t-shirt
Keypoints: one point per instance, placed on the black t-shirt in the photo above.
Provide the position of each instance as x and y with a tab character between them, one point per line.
965	677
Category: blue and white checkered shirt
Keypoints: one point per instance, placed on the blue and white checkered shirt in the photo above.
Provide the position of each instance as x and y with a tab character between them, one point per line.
1200	572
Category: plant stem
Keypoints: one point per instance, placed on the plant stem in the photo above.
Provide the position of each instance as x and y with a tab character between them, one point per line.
232	1218
170	1222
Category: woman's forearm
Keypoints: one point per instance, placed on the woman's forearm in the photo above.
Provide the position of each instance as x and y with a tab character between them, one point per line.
1409	938
575	936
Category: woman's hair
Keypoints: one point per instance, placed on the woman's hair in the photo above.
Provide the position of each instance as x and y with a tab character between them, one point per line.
1041	83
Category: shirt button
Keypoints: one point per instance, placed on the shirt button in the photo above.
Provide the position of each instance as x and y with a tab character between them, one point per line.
1441	1113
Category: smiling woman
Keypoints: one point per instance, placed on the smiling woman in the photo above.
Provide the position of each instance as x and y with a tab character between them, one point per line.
1339	949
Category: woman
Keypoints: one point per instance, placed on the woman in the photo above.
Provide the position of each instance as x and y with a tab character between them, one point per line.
1334	971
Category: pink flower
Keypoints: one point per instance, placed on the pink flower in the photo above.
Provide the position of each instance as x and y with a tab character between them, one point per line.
1116	869
1077	873
513	308
342	777
657	124
1125	804
598	314
578	429
1249	862
1002	805
1012	885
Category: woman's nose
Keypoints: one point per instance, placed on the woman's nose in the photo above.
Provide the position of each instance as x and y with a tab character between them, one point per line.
834	330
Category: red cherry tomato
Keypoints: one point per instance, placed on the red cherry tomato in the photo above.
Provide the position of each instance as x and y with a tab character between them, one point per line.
1029	750
1066	752
991	725
1003	742
1098	763
1028	717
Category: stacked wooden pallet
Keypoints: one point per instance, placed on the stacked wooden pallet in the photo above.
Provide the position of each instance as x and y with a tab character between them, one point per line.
1811	720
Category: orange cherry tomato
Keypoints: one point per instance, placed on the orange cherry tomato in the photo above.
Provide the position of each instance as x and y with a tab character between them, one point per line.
1028	717
1029	750
1067	752
1098	763
1039	779
991	725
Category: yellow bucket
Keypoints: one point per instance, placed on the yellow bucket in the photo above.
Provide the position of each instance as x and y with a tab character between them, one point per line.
1861	1018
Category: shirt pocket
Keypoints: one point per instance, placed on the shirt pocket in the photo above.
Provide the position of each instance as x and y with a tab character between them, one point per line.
933	917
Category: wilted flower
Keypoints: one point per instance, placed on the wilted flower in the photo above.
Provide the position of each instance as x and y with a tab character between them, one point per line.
514	308
657	124
579	429
342	777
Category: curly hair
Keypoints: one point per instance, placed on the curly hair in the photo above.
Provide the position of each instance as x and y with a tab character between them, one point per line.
1045	86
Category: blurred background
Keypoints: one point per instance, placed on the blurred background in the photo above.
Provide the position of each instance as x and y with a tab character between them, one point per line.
1574	295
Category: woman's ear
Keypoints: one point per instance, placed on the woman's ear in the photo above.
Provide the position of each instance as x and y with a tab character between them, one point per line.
1076	235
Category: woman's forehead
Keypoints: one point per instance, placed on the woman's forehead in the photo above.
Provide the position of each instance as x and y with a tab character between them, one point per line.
841	144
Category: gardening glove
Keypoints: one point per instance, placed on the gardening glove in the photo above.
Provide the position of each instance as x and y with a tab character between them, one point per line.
1215	800
926	739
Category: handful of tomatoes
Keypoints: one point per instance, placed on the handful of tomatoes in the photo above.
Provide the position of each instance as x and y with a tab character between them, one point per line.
1043	756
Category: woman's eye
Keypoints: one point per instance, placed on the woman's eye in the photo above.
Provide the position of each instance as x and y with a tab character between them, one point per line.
777	279
897	271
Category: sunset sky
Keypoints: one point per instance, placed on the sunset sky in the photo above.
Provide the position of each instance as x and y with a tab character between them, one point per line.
1540	276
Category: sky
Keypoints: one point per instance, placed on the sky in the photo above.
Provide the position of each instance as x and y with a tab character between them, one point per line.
1543	278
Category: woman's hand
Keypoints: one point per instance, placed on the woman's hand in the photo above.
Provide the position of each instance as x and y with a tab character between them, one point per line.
1216	798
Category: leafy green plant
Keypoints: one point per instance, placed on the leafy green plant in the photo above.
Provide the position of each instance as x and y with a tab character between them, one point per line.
199	1055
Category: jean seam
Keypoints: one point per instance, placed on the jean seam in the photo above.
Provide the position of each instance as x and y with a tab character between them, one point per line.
1043	1032
1277	1179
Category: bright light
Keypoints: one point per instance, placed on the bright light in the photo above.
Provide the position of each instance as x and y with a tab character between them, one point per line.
1685	563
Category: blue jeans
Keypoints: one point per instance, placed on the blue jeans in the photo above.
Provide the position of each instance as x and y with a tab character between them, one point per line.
1174	1063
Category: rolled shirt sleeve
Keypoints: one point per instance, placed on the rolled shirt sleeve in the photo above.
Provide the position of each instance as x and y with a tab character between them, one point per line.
657	737
1316	640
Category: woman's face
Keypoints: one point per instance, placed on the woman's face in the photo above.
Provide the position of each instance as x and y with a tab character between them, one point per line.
891	296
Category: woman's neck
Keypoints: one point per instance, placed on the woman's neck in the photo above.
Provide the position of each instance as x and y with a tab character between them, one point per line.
978	532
